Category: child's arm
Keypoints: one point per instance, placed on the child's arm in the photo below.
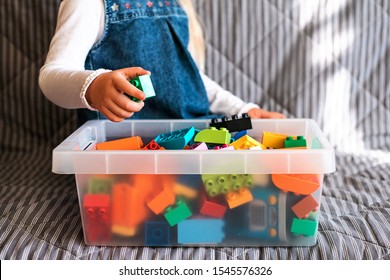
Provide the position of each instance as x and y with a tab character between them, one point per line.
224	102
64	80
106	93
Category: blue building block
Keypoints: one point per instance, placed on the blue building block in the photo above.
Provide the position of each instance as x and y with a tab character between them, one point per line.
175	140
200	231
239	134
157	234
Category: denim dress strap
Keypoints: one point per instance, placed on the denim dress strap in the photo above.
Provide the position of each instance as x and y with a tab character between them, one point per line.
152	34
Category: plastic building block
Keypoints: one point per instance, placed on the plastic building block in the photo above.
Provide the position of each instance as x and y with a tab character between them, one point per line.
177	213
213	207
303	208
184	191
161	201
124	199
143	83
97	217
200	231
100	184
299	141
152	145
244	143
175	140
239	134
234	124
223	183
199	147
157	233
304	227
237	198
223	147
129	202
264	212
213	136
273	140
297	183
187	185
130	143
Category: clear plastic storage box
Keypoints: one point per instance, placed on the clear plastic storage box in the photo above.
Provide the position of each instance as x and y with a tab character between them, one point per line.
217	197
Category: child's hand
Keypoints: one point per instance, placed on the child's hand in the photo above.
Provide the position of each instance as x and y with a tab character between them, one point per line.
106	93
257	113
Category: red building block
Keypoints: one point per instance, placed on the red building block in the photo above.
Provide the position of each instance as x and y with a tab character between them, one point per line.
303	208
213	207
97	218
152	145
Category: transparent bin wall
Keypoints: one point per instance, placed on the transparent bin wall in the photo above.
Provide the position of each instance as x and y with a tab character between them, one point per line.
126	210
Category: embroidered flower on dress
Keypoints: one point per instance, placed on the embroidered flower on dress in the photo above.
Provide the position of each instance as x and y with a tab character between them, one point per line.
127	6
149	4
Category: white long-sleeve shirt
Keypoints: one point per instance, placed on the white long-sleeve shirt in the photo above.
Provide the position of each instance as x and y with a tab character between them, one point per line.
63	78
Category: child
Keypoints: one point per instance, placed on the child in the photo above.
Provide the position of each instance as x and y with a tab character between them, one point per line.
100	44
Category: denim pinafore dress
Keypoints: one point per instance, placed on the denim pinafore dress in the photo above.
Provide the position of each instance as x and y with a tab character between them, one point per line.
152	34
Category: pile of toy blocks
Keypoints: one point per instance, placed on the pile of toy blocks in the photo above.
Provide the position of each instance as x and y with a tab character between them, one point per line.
127	205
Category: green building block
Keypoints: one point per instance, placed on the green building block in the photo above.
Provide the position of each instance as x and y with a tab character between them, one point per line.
177	213
213	136
98	185
216	184
293	143
143	83
304	226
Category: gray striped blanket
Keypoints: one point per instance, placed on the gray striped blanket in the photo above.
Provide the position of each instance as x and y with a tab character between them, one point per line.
325	60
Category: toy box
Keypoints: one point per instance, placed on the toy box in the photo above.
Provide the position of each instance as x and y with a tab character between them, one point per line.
257	194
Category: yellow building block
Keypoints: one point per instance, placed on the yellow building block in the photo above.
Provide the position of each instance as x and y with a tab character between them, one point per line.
245	142
273	140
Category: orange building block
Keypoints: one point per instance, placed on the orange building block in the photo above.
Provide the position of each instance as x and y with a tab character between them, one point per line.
127	210
238	198
130	143
161	201
303	208
297	183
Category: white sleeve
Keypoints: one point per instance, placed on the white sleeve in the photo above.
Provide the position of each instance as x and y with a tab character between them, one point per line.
224	102
63	76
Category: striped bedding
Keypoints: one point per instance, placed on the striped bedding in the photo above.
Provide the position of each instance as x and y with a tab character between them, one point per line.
325	60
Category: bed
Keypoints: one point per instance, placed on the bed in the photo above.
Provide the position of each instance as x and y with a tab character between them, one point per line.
324	60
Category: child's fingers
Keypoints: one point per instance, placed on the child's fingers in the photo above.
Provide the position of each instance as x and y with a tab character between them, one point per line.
133	72
127	104
124	86
112	116
119	112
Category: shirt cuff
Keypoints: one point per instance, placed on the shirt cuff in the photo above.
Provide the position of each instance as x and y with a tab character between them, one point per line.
87	83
